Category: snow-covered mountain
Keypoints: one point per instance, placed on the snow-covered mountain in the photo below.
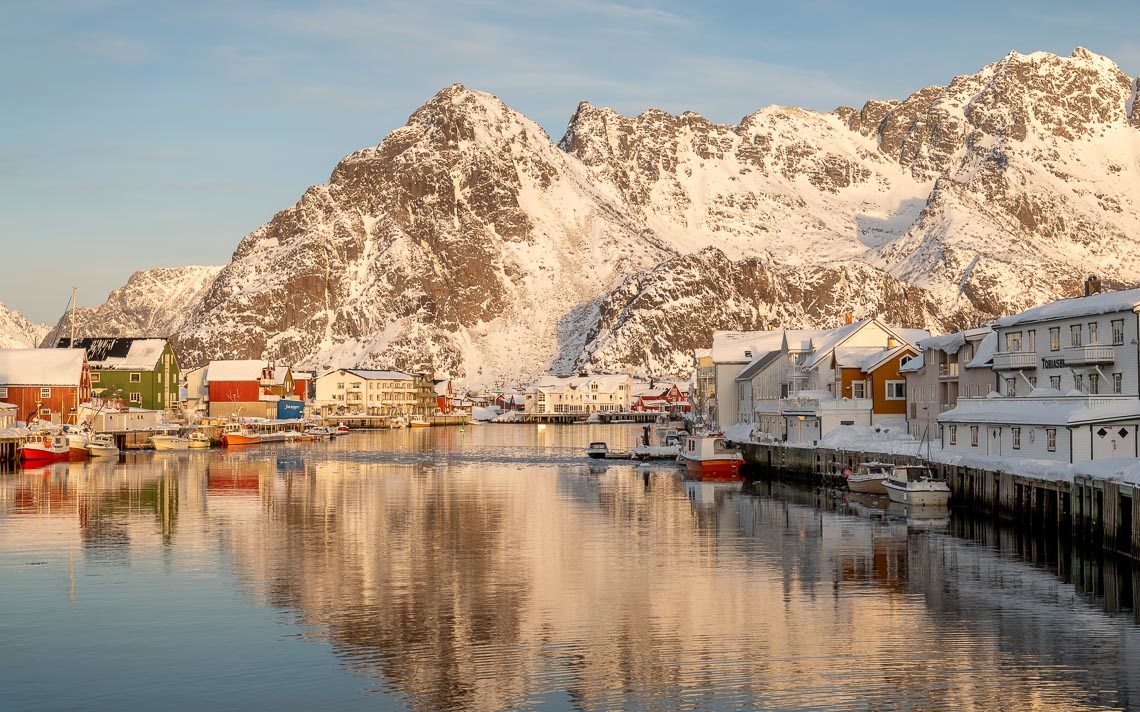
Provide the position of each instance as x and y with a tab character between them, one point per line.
469	241
153	302
16	332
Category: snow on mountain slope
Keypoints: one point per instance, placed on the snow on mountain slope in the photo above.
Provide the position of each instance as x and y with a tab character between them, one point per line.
467	241
16	332
153	302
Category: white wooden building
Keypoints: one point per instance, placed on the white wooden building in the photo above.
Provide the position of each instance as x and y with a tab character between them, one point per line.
580	394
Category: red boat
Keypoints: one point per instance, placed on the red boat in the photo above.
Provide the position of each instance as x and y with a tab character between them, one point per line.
44	447
709	458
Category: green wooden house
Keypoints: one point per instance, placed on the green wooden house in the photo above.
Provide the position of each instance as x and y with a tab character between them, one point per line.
143	372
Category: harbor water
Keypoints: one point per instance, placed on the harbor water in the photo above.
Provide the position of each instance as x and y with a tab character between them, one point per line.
495	567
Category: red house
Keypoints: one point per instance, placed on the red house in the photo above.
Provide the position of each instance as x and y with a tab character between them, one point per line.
45	384
301	381
247	388
444	396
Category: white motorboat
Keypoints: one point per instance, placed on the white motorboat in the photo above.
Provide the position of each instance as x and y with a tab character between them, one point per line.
868	477
320	431
916	485
102	445
170	442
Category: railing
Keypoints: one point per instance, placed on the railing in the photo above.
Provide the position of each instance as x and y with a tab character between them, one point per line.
1089	354
948	370
1010	360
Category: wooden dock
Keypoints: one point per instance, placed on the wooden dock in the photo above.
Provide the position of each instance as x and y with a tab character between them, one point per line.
1092	509
9	453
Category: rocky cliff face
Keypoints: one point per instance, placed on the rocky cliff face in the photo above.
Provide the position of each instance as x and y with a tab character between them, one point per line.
16	332
469	242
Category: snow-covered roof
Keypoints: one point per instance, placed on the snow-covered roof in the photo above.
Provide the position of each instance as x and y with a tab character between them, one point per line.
1051	410
41	367
1103	303
914	365
302	375
759	364
743	346
279	375
442	387
872	361
239	370
834	338
984	354
607	383
804	339
120	353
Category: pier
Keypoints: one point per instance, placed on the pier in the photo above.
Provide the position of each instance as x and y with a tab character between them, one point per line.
1101	511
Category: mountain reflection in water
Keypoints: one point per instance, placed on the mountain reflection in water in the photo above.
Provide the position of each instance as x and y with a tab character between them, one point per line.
496	567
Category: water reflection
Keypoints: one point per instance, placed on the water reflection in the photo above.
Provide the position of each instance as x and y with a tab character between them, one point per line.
498	568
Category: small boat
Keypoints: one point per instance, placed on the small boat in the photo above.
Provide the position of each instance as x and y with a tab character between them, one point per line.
240	437
319	431
914	484
41	448
102	445
868	477
418	421
198	440
597	450
341	429
170	443
709	458
77	442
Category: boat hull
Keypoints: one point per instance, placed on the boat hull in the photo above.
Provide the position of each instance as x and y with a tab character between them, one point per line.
232	439
170	445
103	450
39	454
715	470
869	485
919	498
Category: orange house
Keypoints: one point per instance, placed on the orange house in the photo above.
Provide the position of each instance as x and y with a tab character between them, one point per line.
873	374
45	384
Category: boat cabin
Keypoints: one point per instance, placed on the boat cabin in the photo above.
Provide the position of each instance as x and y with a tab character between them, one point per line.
911	473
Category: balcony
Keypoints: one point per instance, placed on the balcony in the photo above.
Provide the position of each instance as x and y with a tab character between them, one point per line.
948	370
1015	360
1087	355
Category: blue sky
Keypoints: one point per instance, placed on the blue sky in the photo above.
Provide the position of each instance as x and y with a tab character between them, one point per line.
145	134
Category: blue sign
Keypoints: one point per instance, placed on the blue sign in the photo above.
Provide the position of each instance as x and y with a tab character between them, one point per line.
290	409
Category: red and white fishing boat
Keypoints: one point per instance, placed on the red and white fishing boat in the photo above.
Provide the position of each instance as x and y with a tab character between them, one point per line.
44	447
709	458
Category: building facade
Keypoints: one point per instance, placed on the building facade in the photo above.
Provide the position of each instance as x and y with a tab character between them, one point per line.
141	372
45	384
948	367
247	388
557	395
375	392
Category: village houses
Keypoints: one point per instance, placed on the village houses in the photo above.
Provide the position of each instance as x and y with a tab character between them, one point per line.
141	372
375	392
580	394
45	384
1066	385
251	388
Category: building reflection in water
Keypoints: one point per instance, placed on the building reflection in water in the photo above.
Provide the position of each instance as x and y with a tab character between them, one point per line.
492	585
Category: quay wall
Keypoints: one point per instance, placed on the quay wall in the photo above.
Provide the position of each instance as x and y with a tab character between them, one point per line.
1099	510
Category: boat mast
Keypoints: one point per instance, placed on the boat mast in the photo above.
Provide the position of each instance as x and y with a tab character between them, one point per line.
71	317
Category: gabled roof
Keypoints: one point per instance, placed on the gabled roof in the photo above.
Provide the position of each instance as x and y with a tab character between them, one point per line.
751	370
1103	303
914	365
119	353
279	375
842	334
984	355
240	370
41	367
743	346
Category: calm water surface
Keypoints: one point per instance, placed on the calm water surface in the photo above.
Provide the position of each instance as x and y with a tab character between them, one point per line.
496	567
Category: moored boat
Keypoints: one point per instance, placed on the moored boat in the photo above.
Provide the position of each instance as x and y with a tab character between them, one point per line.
868	477
319	431
77	442
709	458
914	484
170	443
42	448
198	440
341	428
240	436
418	421
102	445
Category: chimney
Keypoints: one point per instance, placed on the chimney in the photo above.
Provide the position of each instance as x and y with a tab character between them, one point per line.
1092	285
848	317
892	342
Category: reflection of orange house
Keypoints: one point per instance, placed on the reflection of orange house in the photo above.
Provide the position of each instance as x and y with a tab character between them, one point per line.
48	384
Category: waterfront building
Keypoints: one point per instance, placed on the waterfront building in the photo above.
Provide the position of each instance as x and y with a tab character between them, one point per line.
8	417
45	384
950	366
141	371
302	385
250	388
1067	386
444	396
809	382
580	394
375	392
660	398
702	389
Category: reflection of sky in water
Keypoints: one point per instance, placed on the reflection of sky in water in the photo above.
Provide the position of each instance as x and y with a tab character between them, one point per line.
495	566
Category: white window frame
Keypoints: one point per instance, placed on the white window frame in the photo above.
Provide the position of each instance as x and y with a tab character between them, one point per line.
862	386
45	393
1094	333
1013	341
953	434
1051	439
3	391
1016	436
1075	335
1117	332
1054	338
136	377
1055	382
94	376
136	397
898	385
1117	383
973	436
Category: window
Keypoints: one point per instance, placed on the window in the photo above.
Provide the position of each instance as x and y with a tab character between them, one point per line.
1016	438
1117	383
1033	381
1031	339
953	434
1051	439
3	391
340	386
1055	338
1011	386
1094	383
136	378
896	390
1079	382
967	354
1013	341
1055	382
94	376
1118	331
858	389
973	436
45	393
136	397
1092	332
1075	335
